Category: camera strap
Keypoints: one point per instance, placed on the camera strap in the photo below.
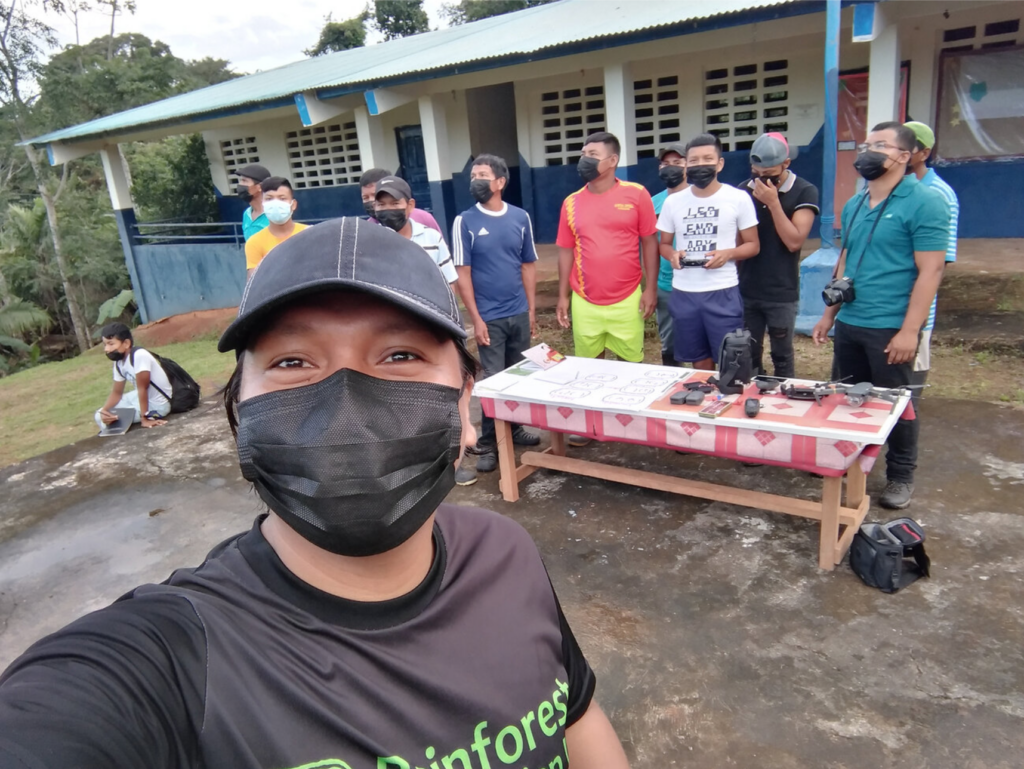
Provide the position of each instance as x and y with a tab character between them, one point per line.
871	234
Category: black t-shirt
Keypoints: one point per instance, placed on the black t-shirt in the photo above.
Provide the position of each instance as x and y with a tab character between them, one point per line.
774	274
239	663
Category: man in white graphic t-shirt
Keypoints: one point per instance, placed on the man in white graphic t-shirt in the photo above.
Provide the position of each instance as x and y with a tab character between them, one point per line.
714	225
151	397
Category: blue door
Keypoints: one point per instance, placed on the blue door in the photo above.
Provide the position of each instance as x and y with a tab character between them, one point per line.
412	161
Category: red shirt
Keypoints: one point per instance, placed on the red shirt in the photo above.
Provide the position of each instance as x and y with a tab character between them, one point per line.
604	233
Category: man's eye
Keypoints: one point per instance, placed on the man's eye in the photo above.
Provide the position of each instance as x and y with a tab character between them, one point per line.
290	363
401	357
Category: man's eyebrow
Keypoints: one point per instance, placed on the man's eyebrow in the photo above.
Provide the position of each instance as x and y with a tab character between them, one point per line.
293	328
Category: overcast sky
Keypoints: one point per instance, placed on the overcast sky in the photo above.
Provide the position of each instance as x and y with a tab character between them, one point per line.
253	35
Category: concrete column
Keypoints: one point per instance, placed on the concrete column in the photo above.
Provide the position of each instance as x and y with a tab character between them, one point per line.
437	152
619	114
370	134
524	139
883	71
124	214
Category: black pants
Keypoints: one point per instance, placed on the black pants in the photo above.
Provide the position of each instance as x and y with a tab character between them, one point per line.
510	337
779	320
860	357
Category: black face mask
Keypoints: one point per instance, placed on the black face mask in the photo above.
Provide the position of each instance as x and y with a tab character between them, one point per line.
115	356
587	168
871	164
672	176
369	209
242	190
353	463
701	176
480	189
393	218
772	180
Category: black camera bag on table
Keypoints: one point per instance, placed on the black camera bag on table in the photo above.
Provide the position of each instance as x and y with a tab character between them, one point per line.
735	362
880	554
184	389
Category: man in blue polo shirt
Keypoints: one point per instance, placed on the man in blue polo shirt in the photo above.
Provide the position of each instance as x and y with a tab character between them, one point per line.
927	176
496	261
672	172
895	235
248	190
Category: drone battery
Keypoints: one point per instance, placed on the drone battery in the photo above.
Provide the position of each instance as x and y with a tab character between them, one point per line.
687	398
752	407
679	398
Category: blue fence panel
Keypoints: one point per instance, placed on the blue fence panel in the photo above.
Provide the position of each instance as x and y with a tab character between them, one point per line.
184	277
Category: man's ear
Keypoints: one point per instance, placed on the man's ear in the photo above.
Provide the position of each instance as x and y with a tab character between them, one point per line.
721	163
411	205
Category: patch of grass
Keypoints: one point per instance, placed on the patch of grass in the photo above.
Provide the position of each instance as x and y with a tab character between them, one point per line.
52	405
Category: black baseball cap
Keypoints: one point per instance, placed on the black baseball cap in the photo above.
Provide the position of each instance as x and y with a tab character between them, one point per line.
347	253
677	147
395	187
254	171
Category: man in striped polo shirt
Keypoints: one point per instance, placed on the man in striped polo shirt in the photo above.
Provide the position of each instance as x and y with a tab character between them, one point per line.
927	176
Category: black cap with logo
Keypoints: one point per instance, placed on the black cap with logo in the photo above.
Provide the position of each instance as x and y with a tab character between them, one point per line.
347	253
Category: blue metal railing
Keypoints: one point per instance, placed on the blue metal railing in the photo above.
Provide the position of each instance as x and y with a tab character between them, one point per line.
167	232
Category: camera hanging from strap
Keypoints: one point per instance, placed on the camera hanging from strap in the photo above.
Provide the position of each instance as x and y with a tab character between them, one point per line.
890	555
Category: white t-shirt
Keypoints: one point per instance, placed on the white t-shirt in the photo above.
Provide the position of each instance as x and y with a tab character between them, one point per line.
144	361
706	224
431	241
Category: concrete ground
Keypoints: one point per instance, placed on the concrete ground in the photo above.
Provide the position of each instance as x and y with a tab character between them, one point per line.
716	640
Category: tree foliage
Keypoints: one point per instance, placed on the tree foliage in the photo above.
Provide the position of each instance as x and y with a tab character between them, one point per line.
340	35
400	18
465	11
171	180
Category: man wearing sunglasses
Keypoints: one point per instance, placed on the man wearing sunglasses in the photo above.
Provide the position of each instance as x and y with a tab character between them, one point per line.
895	234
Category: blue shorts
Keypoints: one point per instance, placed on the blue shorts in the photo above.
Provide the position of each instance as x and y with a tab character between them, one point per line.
701	319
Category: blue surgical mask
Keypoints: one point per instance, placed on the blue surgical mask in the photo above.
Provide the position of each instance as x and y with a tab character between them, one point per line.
277	211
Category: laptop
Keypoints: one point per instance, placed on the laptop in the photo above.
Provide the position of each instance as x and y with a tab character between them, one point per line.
121	426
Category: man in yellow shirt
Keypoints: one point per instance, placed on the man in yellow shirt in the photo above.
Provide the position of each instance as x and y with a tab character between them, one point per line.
279	205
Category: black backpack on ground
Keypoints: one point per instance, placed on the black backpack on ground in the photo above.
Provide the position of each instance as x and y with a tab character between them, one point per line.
881	552
184	389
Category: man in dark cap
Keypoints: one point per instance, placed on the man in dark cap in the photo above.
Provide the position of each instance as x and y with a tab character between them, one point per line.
248	190
361	623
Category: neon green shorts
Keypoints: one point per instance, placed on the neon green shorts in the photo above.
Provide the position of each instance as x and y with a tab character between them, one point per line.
619	327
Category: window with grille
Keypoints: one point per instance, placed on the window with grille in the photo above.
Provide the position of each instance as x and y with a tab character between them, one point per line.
324	156
568	117
745	101
238	153
656	108
997	34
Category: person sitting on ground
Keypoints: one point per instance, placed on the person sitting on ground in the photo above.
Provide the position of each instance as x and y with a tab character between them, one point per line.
279	205
151	398
248	191
361	622
368	191
394	206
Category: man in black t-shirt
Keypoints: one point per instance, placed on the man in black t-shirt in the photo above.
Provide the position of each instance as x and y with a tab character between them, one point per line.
770	282
361	623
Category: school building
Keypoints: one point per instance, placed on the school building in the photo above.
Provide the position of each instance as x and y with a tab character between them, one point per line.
529	86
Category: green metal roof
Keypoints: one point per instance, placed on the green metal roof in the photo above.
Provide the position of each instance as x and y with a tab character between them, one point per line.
561	28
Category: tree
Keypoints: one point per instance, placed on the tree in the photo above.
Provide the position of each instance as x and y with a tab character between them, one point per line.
22	40
171	180
465	11
340	35
117	8
400	18
200	73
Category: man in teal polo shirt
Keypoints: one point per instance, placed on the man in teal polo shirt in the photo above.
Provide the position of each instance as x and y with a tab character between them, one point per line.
672	172
895	234
248	190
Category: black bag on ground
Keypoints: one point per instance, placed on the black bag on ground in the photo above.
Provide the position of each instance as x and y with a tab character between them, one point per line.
880	554
184	389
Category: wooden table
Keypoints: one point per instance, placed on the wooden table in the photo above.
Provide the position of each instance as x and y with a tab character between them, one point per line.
835	440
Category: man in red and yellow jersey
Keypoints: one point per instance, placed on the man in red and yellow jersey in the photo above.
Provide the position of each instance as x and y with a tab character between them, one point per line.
600	232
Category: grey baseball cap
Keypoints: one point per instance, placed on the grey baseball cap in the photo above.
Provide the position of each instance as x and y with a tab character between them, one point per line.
254	171
677	147
395	187
351	254
769	150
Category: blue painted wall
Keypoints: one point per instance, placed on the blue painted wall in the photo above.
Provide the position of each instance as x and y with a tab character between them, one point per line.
186	277
322	203
991	197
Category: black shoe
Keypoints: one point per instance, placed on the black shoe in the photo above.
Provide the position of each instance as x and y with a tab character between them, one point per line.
522	437
668	359
480	449
896	495
577	441
487	463
752	464
465	476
